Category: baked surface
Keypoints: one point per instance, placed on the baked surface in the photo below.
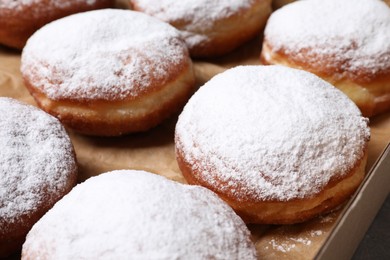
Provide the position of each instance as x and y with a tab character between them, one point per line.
345	43
20	19
279	3
37	168
210	28
100	74
139	215
279	145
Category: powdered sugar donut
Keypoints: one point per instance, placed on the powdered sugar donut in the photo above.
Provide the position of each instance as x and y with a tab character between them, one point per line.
279	145
19	19
210	28
279	3
37	167
108	72
346	43
138	215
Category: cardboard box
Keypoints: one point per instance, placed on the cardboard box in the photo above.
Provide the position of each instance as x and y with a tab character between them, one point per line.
359	212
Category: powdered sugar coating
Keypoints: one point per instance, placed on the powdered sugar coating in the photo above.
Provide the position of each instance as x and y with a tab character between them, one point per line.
193	17
270	133
105	54
36	160
354	34
138	215
59	4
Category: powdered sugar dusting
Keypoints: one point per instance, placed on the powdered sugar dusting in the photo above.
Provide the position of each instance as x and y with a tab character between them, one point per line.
288	244
354	33
36	159
301	240
193	17
316	233
138	215
106	54
61	4
282	247
270	132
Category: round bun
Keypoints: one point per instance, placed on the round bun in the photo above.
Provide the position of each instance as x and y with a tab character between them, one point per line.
138	215
279	145
279	3
20	19
37	168
346	43
108	72
210	28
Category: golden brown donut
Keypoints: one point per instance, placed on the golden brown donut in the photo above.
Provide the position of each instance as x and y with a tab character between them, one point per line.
37	168
279	3
279	145
210	28
20	19
101	74
347	43
131	214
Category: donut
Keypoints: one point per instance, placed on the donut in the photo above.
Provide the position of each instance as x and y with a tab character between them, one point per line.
279	3
20	19
37	168
139	215
346	43
108	72
210	28
279	145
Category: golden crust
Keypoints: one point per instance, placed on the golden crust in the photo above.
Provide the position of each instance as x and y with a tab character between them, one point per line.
335	193
370	92
279	3
117	117
227	33
231	32
18	24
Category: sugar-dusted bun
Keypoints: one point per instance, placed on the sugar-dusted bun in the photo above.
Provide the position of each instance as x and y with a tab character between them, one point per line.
210	28
20	19
37	168
279	145
279	3
108	72
138	215
346	43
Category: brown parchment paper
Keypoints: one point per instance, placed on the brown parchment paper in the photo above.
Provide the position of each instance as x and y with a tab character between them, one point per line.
154	151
